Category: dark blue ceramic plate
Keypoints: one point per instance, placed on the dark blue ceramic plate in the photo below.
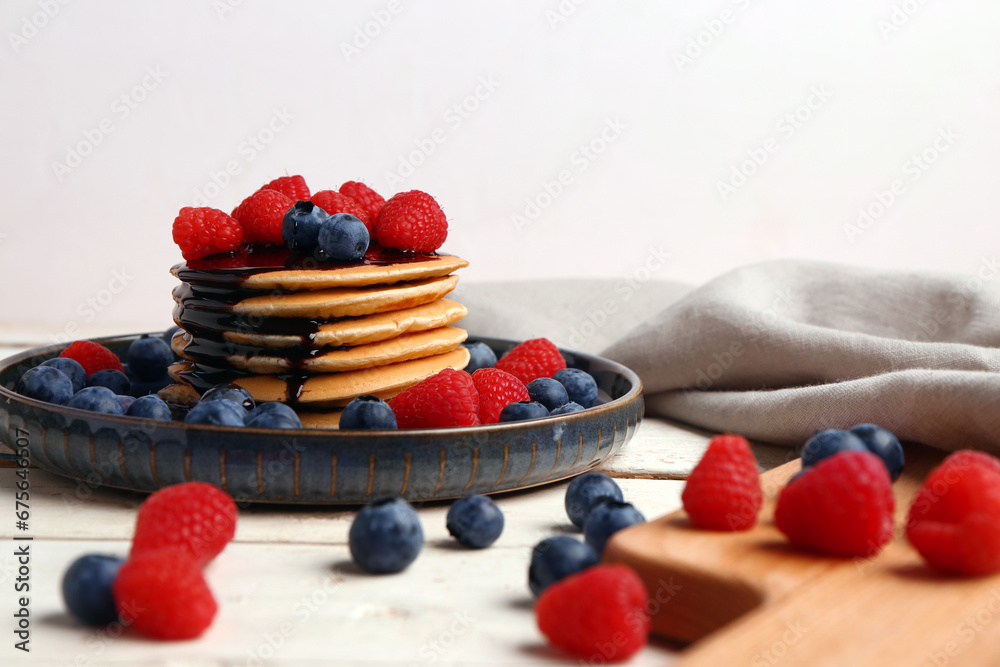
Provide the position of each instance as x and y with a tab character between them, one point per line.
318	465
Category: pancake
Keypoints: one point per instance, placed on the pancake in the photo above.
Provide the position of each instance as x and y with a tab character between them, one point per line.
336	360
326	389
317	419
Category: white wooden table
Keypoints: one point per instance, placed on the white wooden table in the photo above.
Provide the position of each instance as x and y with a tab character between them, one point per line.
289	594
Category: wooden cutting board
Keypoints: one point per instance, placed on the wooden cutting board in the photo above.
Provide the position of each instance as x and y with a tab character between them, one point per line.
753	599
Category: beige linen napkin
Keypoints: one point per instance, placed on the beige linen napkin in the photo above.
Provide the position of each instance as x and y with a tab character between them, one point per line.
778	350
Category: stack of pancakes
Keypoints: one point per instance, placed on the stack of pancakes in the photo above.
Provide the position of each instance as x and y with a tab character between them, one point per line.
316	334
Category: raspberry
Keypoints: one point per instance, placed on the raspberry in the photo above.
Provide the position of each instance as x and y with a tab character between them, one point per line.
194	515
293	187
448	398
954	521
496	389
333	202
598	614
535	358
200	232
92	356
842	506
163	595
370	200
723	491
411	221
260	215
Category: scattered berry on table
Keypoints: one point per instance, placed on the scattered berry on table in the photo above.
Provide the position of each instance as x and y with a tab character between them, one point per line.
411	221
261	214
475	521
585	490
581	387
567	409
828	442
300	227
196	517
883	444
46	383
842	506
386	536
534	358
149	407
369	200
343	238
557	557
218	412
954	520
162	594
148	358
367	413
606	518
293	187
96	399
723	491
497	389
549	392
92	356
72	368
200	232
273	414
114	380
333	203
447	398
599	615
519	411
86	588
481	355
230	392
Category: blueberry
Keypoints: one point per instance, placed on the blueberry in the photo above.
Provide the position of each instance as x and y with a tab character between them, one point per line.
219	412
168	335
149	407
386	536
111	378
580	386
584	491
343	238
827	443
606	518
367	413
884	444
73	370
557	557
46	383
521	410
125	401
300	227
86	588
273	415
549	392
475	521
230	392
567	409
148	358
97	399
481	355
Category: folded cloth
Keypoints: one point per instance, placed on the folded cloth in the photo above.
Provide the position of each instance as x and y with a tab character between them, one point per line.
778	350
